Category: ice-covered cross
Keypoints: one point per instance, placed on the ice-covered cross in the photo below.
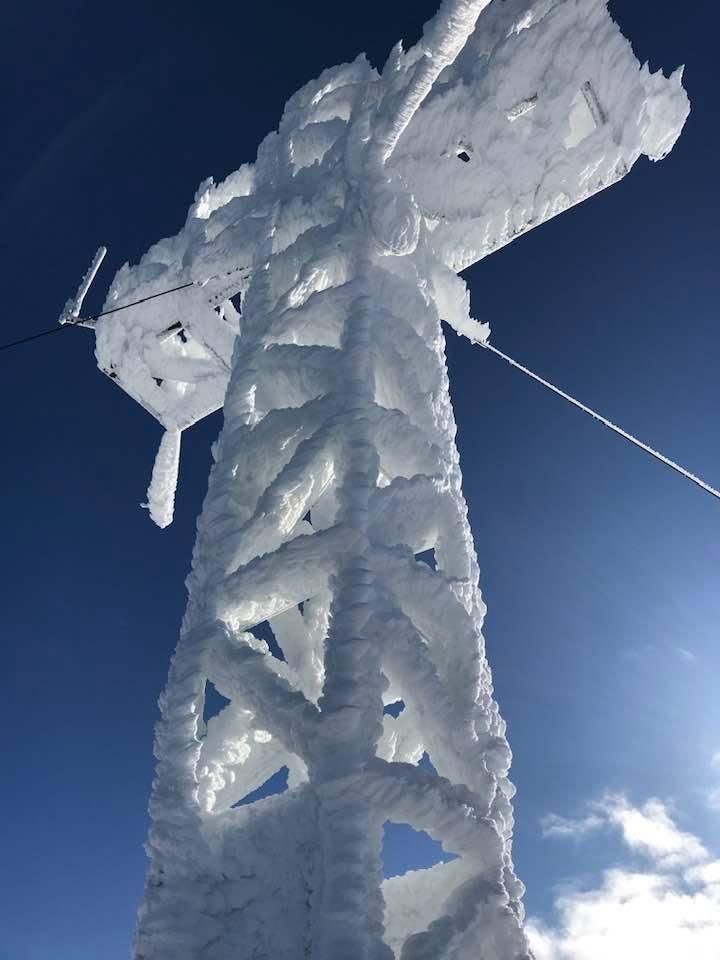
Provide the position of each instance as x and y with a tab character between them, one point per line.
334	571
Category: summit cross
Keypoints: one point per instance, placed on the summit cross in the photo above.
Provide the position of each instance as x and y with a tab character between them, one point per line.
334	572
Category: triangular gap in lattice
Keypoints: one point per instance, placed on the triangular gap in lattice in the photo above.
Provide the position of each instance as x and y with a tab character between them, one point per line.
213	702
273	786
406	849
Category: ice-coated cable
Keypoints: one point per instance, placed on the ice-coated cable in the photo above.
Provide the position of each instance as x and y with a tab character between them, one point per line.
71	320
603	420
698	481
80	321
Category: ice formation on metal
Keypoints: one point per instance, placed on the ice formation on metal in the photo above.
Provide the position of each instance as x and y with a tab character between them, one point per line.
323	274
71	310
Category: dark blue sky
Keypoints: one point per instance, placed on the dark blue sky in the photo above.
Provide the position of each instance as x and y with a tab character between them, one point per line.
600	568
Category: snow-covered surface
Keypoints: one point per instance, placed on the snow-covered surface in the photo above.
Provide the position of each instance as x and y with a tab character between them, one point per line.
322	274
71	310
482	139
550	105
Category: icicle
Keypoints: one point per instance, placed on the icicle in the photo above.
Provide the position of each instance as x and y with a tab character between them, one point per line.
161	492
71	310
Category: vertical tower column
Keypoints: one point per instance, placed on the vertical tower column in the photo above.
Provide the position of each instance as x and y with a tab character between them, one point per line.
351	905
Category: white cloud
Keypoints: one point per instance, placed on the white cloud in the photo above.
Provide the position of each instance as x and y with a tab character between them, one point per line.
555	826
706	874
647	830
713	796
667	910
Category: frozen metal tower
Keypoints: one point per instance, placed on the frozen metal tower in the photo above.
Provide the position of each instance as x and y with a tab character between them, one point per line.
334	570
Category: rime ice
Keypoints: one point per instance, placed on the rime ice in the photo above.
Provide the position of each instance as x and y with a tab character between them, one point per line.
321	275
